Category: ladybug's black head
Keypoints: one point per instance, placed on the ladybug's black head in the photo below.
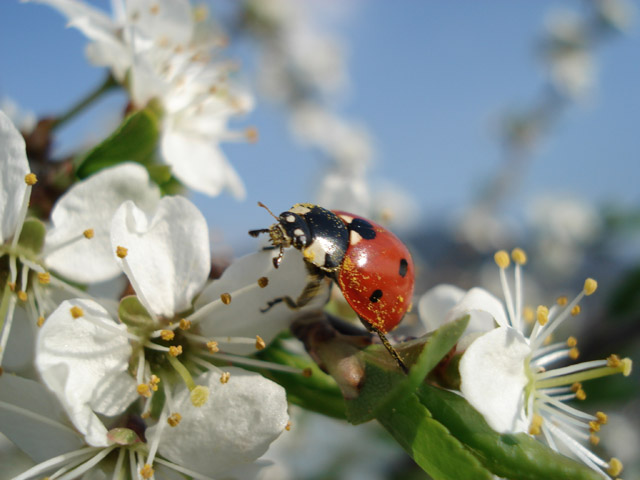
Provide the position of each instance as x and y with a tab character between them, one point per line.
290	230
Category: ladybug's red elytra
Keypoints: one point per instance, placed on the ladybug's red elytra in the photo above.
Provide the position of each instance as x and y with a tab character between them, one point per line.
372	267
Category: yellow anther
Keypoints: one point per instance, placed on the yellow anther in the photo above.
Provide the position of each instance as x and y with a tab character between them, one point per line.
548	340
184	324
154	9
145	415
575	310
22	296
260	344
542	314
225	298
199	395
502	259
594	426
518	256
153	382
574	353
146	471
562	301
252	134
30	179
590	286
200	13
224	378
615	467
44	278
212	346
174	351
263	282
594	439
614	361
572	342
121	252
89	233
602	418
536	425
581	395
288	426
12	286
167	335
76	312
627	365
307	372
143	390
576	386
174	419
528	314
40	321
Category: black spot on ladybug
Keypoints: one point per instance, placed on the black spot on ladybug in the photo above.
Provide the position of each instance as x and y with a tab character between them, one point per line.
363	228
404	265
375	296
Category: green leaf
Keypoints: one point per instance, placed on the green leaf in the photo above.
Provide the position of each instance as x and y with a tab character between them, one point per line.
32	235
429	443
384	383
512	456
134	140
133	314
317	392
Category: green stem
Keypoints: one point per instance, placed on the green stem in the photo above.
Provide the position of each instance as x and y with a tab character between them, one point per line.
83	103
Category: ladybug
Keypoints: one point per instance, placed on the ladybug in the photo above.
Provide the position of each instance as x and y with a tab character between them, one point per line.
372	267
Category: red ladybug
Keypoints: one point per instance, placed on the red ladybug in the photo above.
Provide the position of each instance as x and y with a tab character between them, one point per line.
372	267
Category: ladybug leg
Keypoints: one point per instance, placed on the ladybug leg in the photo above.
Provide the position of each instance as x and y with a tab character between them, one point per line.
310	290
385	341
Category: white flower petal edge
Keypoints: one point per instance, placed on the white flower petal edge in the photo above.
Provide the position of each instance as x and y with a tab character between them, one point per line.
483	308
235	426
91	204
14	166
435	304
244	315
28	407
168	258
494	379
79	358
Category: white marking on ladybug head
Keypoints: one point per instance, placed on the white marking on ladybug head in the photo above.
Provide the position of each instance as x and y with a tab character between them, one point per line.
347	219
354	237
298	232
300	209
290	218
316	253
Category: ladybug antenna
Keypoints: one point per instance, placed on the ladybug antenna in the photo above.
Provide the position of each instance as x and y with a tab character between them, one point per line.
260	204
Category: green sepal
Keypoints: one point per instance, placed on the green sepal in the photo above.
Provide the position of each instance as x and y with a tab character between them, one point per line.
429	443
133	314
511	456
32	235
134	140
384	383
318	392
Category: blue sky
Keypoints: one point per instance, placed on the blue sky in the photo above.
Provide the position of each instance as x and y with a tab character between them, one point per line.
427	78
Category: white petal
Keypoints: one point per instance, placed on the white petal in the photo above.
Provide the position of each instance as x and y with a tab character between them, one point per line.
436	303
75	356
243	316
92	204
235	426
492	372
39	426
168	252
165	21
199	163
483	308
14	166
